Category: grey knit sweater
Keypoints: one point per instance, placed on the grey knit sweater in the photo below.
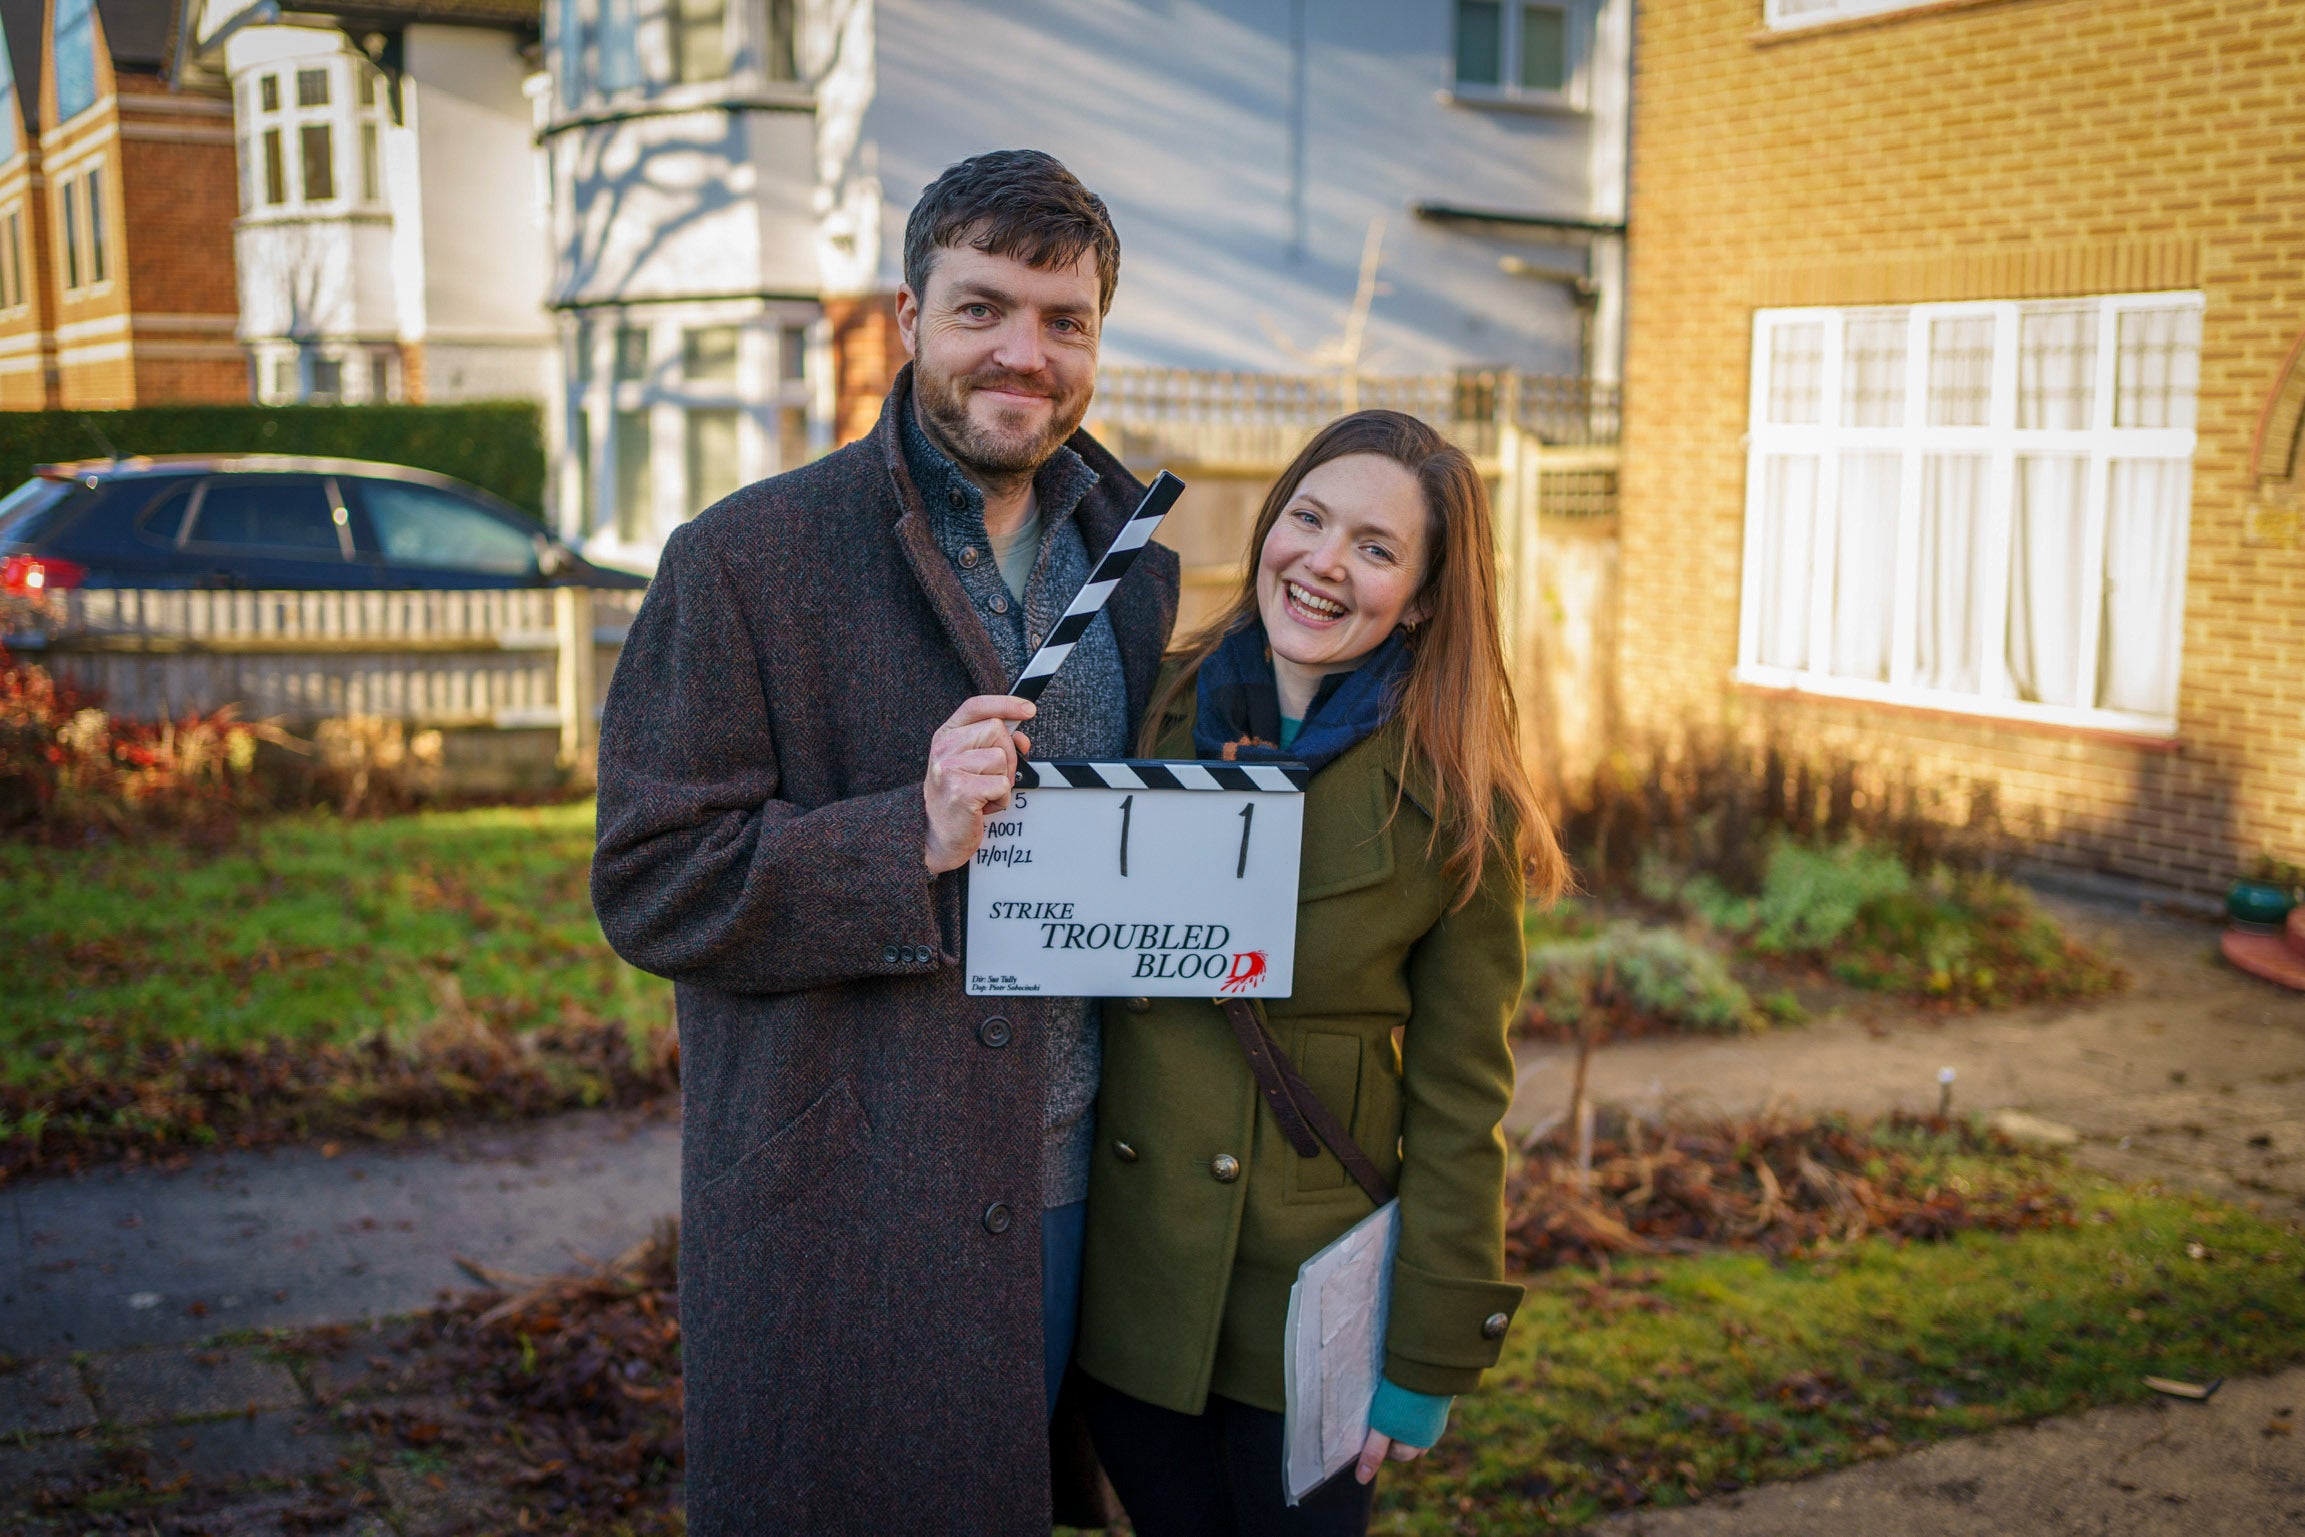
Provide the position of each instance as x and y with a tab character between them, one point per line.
1083	714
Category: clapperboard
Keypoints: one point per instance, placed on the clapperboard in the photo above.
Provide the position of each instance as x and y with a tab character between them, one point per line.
1136	878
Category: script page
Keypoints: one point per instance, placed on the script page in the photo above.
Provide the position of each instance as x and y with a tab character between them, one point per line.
1335	1348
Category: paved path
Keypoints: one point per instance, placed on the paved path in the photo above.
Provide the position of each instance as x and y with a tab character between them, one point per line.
121	1258
2195	1074
2234	1465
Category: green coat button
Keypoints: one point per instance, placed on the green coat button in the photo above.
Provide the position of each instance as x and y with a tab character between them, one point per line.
1139	1005
1224	1168
1493	1326
1124	1152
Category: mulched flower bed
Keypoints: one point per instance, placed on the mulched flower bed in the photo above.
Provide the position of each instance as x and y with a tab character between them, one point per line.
1782	1185
159	1100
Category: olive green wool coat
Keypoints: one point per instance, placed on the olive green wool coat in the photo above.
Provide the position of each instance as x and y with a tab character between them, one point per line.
1186	1281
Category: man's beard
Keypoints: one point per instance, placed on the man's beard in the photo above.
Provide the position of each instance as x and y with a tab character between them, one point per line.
995	458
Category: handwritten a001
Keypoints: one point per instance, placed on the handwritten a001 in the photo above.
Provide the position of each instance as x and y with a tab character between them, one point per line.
1121	892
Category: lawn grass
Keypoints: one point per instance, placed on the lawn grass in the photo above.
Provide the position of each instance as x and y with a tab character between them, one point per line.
311	935
1698	1375
313	928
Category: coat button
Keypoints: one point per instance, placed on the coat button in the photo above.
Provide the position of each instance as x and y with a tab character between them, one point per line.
1493	1326
1124	1152
1138	1005
889	954
1224	1168
969	558
994	1032
997	1217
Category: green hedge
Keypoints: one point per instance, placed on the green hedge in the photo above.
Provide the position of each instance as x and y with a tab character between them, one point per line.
496	445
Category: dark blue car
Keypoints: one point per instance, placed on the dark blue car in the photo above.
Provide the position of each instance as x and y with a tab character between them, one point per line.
270	521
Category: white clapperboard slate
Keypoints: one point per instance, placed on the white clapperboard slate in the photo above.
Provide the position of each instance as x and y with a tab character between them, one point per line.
1136	878
1139	879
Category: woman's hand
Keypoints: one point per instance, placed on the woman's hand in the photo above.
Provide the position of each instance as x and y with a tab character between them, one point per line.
1377	1448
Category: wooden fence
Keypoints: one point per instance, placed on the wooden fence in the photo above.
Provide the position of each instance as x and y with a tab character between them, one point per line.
1546	446
527	660
1203	418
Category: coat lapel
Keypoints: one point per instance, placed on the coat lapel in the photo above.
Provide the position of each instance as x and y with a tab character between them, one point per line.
929	567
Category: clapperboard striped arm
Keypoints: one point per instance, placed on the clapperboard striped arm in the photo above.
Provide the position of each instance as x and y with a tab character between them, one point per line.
1134	535
1162	774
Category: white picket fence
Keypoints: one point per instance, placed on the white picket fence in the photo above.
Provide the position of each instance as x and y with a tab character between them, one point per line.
473	661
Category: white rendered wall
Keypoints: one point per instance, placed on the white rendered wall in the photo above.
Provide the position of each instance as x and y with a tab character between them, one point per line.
704	202
1242	199
485	251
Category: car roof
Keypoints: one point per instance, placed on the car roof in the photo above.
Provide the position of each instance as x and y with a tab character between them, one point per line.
238	464
142	466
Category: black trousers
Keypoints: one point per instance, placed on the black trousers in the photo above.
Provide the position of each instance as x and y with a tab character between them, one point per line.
1214	1474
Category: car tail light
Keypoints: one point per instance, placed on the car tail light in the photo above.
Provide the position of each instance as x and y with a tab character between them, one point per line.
30	575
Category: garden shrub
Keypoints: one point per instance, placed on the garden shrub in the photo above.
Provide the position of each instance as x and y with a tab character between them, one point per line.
495	445
1958	935
1629	979
68	769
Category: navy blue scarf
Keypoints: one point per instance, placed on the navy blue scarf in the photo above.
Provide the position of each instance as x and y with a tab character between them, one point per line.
1238	718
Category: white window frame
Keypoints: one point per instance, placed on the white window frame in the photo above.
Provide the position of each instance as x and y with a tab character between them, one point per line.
2000	442
1787	18
1576	46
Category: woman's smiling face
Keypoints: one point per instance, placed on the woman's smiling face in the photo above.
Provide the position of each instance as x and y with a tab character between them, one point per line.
1342	564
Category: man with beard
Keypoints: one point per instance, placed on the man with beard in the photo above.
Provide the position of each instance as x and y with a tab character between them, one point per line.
881	1177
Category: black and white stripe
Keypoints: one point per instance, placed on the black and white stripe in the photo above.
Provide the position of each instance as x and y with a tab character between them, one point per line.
1162	774
1134	535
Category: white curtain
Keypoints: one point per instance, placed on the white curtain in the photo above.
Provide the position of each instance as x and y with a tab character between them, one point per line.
2144	585
1785	553
1961	371
2045	579
1865	566
2056	366
1952	507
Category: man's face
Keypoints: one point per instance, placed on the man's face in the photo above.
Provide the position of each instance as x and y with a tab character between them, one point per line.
1004	357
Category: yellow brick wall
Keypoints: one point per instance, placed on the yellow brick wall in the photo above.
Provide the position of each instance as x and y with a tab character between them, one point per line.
1977	149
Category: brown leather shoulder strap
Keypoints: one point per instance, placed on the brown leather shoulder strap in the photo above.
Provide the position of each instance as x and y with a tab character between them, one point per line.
1304	1120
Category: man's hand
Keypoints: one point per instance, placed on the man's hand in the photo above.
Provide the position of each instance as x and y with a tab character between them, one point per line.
971	769
1377	1448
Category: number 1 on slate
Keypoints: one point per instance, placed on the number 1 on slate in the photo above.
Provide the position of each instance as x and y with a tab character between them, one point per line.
1248	815
1126	802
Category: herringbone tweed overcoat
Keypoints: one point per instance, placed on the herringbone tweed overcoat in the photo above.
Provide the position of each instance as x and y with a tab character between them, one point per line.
861	1150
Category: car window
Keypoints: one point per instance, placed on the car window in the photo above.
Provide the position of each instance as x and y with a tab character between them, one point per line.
161	522
422	526
34	508
282	514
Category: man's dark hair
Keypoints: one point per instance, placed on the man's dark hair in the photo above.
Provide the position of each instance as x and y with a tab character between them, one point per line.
1020	203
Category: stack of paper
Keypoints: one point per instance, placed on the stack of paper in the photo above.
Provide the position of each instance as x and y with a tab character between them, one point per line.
1334	1348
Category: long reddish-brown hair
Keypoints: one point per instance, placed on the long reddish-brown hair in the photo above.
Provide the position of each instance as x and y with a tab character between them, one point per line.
1457	700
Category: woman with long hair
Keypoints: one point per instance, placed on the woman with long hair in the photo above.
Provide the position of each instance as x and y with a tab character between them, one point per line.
1365	643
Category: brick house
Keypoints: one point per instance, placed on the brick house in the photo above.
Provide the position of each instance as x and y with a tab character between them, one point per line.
116	208
1964	384
391	238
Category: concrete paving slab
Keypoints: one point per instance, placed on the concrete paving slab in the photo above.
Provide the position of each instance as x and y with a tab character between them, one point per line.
291	1237
43	1398
143	1387
2231	1465
43	1467
274	1445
